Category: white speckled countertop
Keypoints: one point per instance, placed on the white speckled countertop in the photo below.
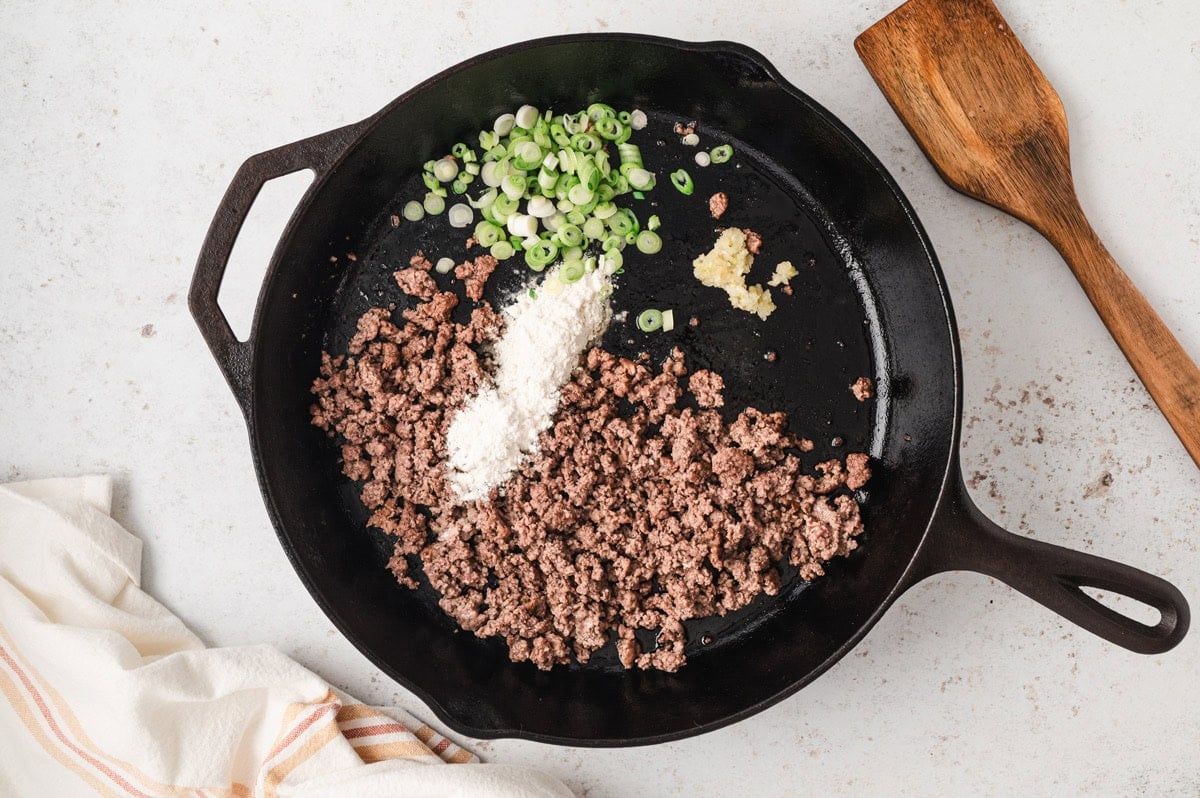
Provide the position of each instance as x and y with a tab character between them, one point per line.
119	131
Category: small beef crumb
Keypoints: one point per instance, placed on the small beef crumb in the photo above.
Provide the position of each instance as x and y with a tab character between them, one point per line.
694	321
863	389
472	241
771	356
707	386
682	129
475	275
717	204
753	241
857	470
637	512
787	289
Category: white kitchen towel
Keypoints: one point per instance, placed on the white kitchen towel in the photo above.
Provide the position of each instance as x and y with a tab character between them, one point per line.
103	690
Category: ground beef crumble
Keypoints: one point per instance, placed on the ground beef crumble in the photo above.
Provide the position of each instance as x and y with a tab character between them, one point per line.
625	519
863	389
717	204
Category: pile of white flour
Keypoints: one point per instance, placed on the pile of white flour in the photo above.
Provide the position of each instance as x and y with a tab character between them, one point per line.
545	334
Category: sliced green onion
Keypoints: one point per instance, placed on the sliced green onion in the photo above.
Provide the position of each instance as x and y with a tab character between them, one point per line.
540	255
623	222
429	180
502	250
653	223
691	140
609	128
703	158
571	271
613	243
434	204
485	199
597	111
648	243
445	170
458	187
570	235
640	179
574	217
604	210
487	233
649	320
428	167
682	181
444	265
541	207
668	320
625	117
527	155
631	237
571	253
526	117
593	228
489	174
522	225
580	194
460	215
612	260
638	195
472	168
459	150
585	142
504	124
439	191
721	154
413	211
637	119
504	206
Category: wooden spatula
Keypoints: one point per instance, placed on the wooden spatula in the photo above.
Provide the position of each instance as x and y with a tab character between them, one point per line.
995	130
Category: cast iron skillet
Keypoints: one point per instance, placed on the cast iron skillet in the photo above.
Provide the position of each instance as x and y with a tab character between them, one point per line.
871	299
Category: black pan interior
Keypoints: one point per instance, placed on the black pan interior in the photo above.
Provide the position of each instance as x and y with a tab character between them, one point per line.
868	301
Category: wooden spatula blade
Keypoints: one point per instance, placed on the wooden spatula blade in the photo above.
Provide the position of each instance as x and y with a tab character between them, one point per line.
970	95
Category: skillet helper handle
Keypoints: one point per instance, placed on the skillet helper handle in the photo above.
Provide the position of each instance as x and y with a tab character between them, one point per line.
1162	364
318	153
1052	576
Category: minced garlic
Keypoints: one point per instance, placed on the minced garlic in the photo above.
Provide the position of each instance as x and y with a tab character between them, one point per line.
726	267
784	272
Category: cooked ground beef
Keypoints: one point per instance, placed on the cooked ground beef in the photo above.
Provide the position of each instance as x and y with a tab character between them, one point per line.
637	512
753	241
685	129
863	389
717	204
475	274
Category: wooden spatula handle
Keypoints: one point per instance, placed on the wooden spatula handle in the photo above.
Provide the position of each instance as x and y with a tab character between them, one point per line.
1162	364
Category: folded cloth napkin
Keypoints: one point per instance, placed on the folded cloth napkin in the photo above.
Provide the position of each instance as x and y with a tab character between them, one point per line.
103	690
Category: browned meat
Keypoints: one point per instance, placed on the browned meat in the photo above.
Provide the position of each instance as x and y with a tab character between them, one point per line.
416	282
475	274
857	470
863	389
707	386
685	129
753	241
637	512
717	204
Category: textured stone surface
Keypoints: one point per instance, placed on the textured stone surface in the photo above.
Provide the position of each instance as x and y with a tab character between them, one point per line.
120	131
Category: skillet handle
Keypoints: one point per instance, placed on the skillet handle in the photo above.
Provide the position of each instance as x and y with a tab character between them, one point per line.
963	539
318	153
